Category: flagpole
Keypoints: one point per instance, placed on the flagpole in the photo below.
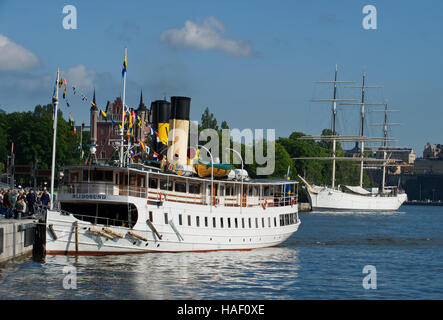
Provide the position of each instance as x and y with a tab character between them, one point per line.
123	113
55	103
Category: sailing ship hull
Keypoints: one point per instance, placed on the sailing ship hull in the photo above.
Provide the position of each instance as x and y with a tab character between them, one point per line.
242	229
328	199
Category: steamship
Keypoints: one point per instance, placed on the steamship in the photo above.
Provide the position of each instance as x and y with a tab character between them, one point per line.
168	206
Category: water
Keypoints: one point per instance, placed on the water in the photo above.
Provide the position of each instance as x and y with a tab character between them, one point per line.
323	260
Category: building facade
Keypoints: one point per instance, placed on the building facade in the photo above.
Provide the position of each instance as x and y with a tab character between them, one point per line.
105	131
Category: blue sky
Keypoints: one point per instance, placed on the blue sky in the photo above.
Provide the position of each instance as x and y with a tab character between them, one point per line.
253	63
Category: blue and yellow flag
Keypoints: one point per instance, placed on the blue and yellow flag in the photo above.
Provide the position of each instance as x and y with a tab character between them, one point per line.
288	186
124	66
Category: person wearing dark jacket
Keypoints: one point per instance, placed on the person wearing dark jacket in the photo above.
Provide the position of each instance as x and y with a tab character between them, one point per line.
30	200
7	203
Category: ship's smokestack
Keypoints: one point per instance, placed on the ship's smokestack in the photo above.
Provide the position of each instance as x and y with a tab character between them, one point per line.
179	130
163	116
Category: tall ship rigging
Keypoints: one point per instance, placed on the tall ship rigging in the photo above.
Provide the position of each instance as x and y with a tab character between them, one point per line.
354	198
175	203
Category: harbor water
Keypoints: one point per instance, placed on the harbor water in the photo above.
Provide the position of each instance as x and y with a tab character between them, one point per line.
323	260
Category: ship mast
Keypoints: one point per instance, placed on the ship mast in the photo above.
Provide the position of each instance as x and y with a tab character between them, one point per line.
362	105
334	118
122	141
385	126
54	141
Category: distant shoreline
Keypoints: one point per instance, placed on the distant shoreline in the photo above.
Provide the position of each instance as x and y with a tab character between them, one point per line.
423	203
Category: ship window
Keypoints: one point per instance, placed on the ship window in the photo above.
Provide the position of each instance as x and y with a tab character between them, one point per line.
206	221
121	215
197	221
275	221
194	188
243	223
236	223
286	219
221	222
249	222
164	185
214	223
263	222
180	219
108	176
153	183
189	220
150	216
166	218
85	175
282	221
269	222
256	222
96	175
180	187
229	222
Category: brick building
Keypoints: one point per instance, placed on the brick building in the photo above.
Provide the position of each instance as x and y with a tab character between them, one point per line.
105	130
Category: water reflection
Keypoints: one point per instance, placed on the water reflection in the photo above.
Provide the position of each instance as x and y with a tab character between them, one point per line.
256	274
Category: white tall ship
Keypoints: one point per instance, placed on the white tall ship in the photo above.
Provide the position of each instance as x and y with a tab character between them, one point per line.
354	198
138	208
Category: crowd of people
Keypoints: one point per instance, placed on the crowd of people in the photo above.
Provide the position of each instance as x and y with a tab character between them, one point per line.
21	203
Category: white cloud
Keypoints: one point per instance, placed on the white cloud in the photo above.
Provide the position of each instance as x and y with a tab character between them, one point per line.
81	77
206	36
15	57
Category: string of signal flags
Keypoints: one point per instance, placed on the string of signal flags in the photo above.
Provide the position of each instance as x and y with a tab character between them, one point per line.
129	116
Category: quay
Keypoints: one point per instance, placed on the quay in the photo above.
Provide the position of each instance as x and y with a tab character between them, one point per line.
17	238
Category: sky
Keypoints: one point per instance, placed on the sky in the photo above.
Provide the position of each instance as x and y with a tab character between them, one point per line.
253	63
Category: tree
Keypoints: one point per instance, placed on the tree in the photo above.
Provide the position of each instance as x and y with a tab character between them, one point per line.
208	120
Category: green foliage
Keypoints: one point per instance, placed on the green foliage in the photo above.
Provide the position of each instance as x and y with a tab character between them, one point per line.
208	120
32	135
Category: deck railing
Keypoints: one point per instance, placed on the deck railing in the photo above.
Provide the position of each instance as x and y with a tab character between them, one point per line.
277	200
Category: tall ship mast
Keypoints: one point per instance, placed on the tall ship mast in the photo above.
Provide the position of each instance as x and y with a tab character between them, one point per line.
173	203
352	198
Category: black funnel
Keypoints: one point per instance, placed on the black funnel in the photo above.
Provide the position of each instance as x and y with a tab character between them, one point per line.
180	108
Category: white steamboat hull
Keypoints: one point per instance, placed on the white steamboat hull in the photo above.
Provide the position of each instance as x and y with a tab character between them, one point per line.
335	200
265	230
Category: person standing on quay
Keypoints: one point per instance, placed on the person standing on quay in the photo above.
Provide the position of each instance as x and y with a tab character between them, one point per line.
7	203
45	199
30	199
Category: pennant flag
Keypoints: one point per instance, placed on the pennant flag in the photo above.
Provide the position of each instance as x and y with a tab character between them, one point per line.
130	121
64	91
73	89
124	66
113	122
75	131
55	87
103	114
60	83
142	145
